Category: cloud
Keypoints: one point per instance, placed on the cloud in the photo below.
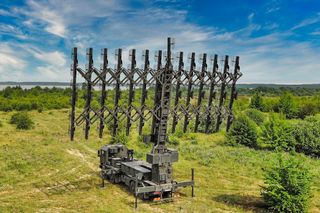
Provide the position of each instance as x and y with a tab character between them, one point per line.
273	6
250	17
5	13
53	64
44	15
307	22
267	53
11	65
7	29
53	58
315	33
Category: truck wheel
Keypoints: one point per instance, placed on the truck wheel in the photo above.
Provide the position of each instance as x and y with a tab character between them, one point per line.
112	178
132	186
117	179
144	196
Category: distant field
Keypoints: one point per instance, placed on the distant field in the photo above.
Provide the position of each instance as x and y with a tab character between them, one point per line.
42	171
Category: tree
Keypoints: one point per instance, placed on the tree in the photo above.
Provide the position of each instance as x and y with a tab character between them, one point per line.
307	136
278	134
286	105
255	115
257	102
287	186
243	131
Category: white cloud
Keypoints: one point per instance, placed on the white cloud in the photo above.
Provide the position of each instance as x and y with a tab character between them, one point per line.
6	29
316	33
53	66
11	65
52	73
307	22
5	13
268	58
53	58
250	17
43	14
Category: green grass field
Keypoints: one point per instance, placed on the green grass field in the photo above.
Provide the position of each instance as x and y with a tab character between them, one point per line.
42	171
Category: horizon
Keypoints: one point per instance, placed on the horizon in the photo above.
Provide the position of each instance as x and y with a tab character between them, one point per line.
278	41
65	82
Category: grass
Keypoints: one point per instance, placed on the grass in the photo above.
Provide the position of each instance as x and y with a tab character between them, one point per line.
42	171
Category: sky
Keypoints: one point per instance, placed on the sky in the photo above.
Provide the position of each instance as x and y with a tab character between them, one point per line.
278	41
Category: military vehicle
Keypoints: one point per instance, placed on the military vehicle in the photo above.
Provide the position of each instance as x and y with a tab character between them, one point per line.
153	178
142	178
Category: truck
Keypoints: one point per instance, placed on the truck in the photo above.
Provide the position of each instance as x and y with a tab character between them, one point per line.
118	165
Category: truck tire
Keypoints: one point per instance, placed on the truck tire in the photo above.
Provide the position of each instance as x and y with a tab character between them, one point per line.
112	178
132	186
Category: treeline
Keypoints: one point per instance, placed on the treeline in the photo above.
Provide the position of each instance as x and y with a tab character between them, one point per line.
255	129
288	123
272	91
37	98
288	104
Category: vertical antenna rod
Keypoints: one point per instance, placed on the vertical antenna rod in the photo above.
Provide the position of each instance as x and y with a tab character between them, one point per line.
190	92
89	88
223	93
103	89
211	93
144	90
117	93
233	93
74	91
201	92
131	92
157	95
178	93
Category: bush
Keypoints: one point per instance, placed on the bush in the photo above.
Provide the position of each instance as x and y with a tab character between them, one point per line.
287	187
255	115
287	106
307	109
257	102
121	138
21	120
243	131
173	141
278	135
307	136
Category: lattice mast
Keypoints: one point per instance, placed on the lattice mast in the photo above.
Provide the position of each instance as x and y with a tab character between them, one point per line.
162	78
160	157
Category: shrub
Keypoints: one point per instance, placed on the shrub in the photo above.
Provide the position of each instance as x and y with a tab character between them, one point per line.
307	109
21	120
255	115
173	141
307	136
121	138
242	131
257	102
278	135
287	186
287	106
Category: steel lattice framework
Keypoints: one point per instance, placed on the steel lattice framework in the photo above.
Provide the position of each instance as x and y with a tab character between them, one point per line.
180	94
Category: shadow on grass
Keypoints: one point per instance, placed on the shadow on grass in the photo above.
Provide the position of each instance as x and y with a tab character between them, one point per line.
131	201
246	202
